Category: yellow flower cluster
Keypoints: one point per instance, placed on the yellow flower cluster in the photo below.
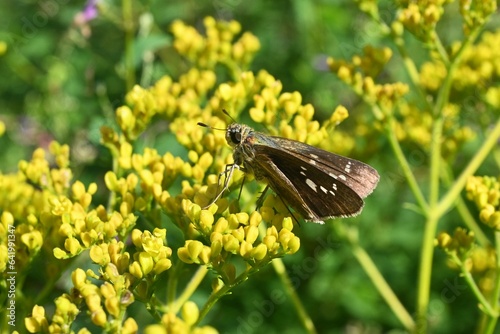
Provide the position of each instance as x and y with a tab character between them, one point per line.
421	18
416	124
459	244
39	172
28	199
106	305
148	172
108	302
237	234
360	74
172	324
81	229
51	214
484	191
152	257
370	64
6	226
64	314
484	265
217	46
480	65
465	253
476	13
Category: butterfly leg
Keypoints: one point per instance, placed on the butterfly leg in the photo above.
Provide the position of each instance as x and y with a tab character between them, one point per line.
260	202
228	173
242	184
261	198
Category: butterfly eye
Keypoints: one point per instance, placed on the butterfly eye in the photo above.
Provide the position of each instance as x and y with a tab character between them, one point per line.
235	137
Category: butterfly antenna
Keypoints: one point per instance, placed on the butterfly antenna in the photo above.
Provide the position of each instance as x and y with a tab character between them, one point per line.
210	127
227	114
213	128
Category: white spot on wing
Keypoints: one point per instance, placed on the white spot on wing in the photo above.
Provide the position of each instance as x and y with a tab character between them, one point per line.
303	168
348	167
314	156
312	162
323	189
342	177
333	175
311	184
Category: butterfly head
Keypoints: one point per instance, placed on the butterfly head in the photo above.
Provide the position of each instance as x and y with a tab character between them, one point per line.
241	138
239	134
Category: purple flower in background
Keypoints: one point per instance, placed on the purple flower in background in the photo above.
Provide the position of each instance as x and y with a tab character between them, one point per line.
90	11
82	18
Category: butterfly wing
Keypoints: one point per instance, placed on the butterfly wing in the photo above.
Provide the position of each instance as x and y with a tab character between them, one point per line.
284	187
316	183
355	174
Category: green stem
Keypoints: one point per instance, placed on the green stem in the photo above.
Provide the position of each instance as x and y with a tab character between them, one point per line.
496	156
190	289
452	194
350	234
427	254
383	287
279	267
377	111
47	288
145	26
444	92
475	289
435	162
128	26
215	296
425	271
410	178
112	195
438	46
411	70
492	320
173	281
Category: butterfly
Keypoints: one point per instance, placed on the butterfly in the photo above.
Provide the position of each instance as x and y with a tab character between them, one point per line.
317	184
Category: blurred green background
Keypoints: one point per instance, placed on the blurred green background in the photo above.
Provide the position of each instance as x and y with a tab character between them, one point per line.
62	79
